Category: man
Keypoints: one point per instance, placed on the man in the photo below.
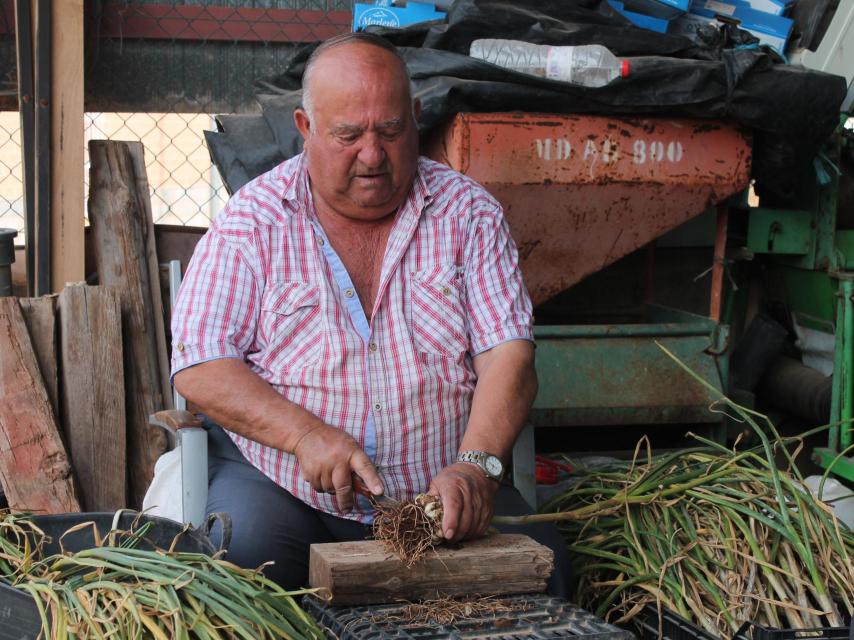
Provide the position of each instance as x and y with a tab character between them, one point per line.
358	311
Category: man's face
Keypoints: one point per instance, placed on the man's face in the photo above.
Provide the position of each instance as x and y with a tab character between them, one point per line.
361	142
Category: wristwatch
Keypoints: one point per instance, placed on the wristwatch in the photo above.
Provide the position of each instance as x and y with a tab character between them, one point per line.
491	465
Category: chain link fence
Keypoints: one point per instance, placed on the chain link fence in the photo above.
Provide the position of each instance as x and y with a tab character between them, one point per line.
158	72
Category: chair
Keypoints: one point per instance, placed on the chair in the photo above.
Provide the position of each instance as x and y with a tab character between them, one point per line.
187	460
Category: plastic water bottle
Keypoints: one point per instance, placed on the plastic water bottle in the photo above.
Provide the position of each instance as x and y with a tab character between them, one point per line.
589	65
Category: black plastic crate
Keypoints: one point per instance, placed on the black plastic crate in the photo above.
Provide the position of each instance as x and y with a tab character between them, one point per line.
672	626
675	627
537	616
159	536
19	616
751	631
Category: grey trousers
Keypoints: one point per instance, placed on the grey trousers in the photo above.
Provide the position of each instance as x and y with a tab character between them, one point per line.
269	524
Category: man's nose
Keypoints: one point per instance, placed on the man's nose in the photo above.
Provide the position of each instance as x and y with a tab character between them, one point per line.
372	153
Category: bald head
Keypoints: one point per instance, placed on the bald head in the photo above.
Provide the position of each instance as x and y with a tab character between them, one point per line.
359	126
329	60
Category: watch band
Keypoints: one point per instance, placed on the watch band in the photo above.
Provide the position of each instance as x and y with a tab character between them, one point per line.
480	458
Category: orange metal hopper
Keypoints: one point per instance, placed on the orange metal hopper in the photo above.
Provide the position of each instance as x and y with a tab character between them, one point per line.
580	192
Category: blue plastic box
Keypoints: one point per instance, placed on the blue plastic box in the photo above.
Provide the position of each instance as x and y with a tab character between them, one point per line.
682	5
384	15
649	14
774	7
772	30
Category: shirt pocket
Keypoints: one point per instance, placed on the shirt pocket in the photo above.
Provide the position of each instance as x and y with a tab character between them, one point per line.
438	319
292	324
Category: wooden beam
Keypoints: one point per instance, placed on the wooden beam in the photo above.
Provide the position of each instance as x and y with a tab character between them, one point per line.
143	195
93	393
40	316
34	468
66	152
365	572
120	238
159	21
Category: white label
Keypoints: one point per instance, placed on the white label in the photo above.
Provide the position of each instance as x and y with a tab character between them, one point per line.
643	151
610	152
379	17
590	150
720	7
768	6
553	148
559	63
657	151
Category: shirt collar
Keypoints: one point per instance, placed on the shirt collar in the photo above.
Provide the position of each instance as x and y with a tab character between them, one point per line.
298	192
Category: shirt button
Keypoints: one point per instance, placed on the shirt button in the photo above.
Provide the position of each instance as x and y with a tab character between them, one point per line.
446	291
180	347
378	407
372	346
321	242
349	293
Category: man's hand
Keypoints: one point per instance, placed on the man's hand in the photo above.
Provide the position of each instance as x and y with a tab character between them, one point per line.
328	457
467	500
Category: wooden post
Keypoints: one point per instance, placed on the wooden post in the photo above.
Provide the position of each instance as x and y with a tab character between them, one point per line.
34	468
93	394
120	240
40	316
365	572
66	148
137	152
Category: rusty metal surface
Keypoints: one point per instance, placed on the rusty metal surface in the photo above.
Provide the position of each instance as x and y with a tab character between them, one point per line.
718	266
580	192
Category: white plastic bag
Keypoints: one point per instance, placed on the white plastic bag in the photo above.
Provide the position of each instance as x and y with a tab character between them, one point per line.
163	497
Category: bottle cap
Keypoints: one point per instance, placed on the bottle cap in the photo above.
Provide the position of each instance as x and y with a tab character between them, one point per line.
625	67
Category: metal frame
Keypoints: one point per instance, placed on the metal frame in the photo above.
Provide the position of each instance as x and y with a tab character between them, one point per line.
718	266
838	455
24	50
813	260
182	428
524	465
178	401
44	51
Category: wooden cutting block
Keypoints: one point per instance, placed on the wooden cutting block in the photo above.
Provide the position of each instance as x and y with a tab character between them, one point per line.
365	572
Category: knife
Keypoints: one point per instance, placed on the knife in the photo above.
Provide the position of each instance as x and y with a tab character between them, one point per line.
361	488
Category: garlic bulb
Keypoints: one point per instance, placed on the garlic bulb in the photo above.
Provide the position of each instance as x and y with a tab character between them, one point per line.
432	506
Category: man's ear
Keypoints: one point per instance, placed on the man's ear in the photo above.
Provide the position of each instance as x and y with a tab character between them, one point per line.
416	109
302	123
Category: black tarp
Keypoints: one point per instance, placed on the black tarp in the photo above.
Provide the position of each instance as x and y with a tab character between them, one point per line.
791	110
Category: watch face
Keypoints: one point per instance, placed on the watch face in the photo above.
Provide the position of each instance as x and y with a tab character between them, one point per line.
493	465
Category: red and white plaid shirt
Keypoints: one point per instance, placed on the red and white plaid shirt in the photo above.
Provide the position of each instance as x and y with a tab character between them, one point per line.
265	285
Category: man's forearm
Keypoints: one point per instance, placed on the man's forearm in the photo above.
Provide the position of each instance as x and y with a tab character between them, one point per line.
232	395
505	390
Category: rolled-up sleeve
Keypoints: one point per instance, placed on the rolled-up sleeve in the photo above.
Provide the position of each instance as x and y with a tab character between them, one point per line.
499	308
217	308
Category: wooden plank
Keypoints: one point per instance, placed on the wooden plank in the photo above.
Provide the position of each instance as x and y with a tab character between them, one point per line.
40	316
143	194
34	468
365	572
66	147
119	233
93	393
